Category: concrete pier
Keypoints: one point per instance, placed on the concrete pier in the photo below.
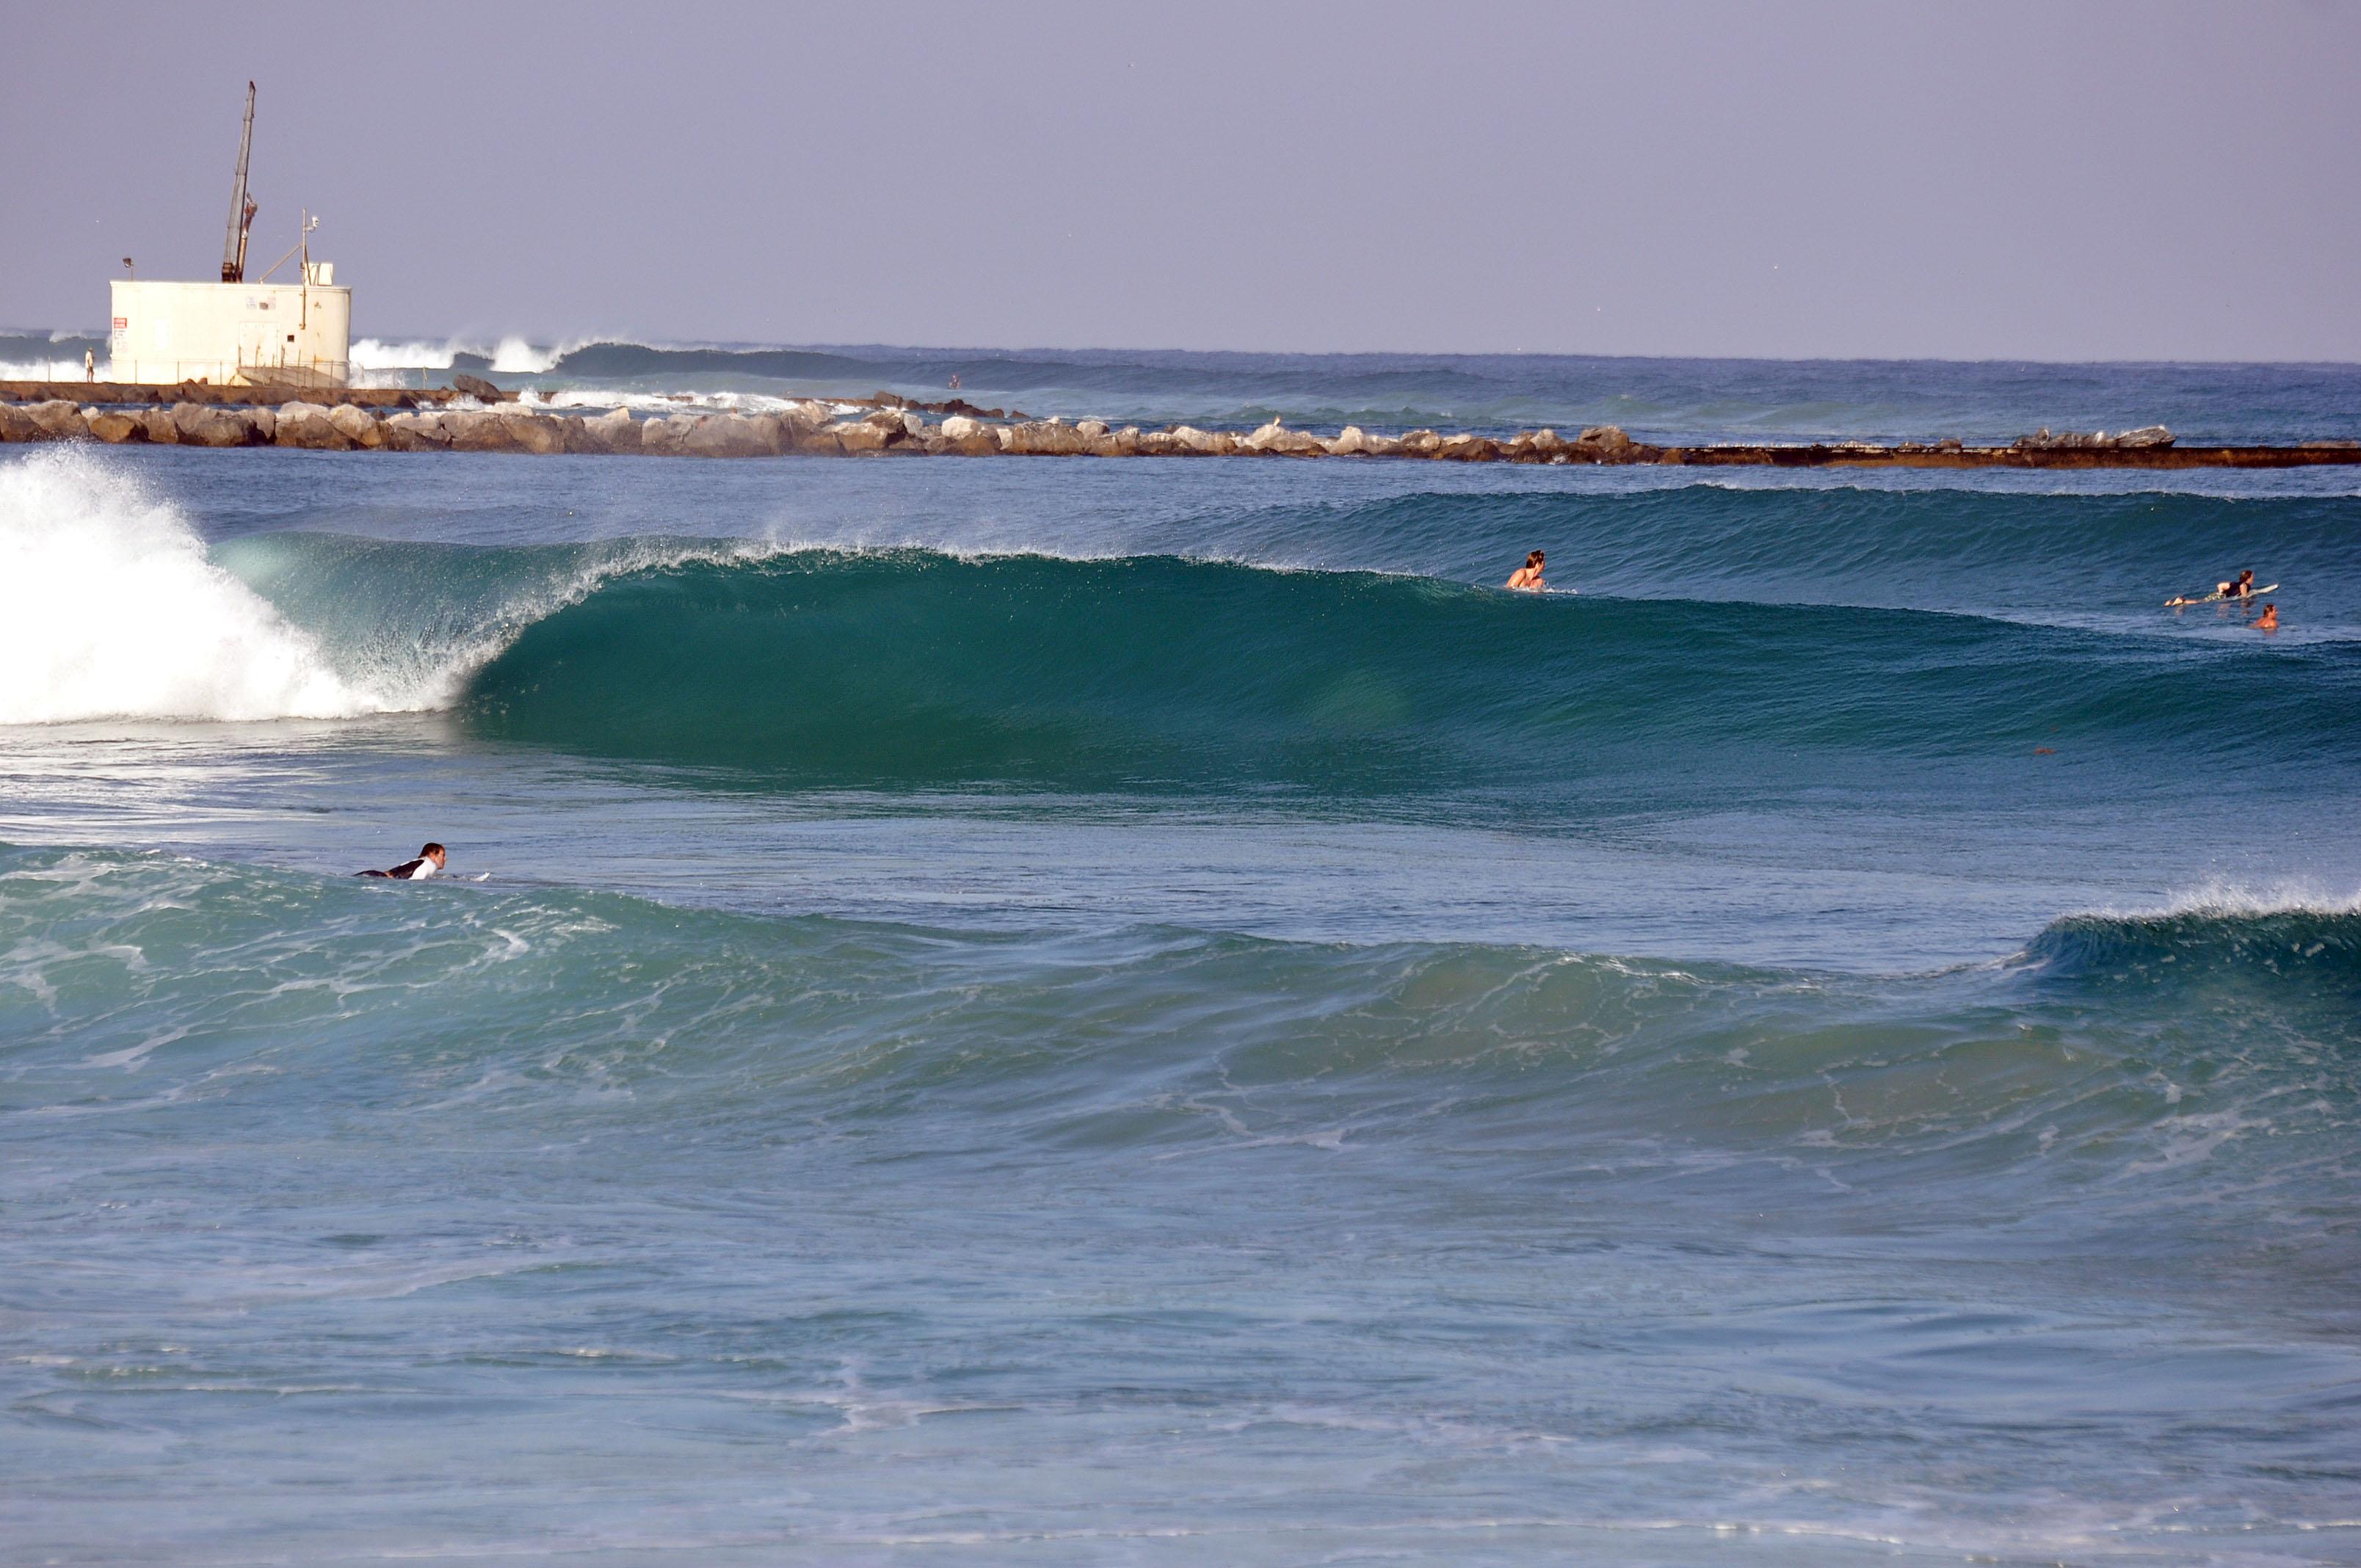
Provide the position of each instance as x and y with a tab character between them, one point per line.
106	394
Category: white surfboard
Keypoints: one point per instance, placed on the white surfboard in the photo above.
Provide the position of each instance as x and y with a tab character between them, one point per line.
2219	598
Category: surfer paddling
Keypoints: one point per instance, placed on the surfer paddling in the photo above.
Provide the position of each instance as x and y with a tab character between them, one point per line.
429	859
2240	589
1529	575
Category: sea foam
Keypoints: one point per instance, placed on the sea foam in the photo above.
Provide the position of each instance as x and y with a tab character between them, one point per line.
116	611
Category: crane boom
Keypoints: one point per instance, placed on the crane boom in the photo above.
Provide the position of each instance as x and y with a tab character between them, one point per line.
241	210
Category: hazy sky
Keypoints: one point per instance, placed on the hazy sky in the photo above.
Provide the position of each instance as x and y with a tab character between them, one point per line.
2059	182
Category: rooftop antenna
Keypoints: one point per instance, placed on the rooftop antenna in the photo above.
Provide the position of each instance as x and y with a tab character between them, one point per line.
241	205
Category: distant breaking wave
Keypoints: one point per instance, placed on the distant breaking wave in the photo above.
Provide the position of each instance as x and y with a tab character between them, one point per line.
1660	399
1666	399
510	355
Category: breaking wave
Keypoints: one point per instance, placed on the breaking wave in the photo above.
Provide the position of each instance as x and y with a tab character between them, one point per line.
909	665
117	610
714	1019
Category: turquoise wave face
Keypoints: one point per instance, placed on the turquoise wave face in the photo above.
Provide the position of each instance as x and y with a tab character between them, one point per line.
906	666
913	666
2102	560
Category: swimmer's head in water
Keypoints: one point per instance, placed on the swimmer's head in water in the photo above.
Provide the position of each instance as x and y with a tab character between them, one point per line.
432	852
1533	557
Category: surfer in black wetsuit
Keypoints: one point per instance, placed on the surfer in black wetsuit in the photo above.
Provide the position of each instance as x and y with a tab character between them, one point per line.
2238	587
429	859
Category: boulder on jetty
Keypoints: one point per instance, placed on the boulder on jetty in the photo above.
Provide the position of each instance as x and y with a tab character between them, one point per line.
614	431
1204	443
874	433
416	433
1354	441
192	415
662	437
1605	443
2045	440
357	426
968	437
202	426
727	435
474	431
307	425
1047	438
1276	438
478	387
536	433
57	420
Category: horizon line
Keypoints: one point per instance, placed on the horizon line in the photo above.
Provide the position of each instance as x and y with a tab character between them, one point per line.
562	344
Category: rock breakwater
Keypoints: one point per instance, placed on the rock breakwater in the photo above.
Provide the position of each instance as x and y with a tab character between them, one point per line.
891	427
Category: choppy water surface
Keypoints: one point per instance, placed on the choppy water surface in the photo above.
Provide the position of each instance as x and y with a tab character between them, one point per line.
1143	1012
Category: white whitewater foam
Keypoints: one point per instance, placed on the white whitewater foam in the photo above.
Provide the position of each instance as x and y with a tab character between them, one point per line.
2222	896
691	402
512	356
115	612
44	369
374	354
515	356
120	613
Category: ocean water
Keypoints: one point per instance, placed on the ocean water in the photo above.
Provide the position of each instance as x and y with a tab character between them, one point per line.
1665	401
1144	1011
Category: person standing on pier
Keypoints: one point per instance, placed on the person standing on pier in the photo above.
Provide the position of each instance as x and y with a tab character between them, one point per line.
89	365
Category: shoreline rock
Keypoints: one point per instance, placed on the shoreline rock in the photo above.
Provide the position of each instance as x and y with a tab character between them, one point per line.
891	428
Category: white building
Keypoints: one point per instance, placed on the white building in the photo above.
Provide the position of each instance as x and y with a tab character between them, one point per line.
278	335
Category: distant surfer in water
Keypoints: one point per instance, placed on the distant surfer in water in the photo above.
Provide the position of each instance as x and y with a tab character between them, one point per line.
2270	618
1529	575
429	859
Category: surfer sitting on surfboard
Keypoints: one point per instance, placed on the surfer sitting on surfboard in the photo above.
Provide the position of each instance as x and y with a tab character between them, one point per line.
429	859
1529	575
